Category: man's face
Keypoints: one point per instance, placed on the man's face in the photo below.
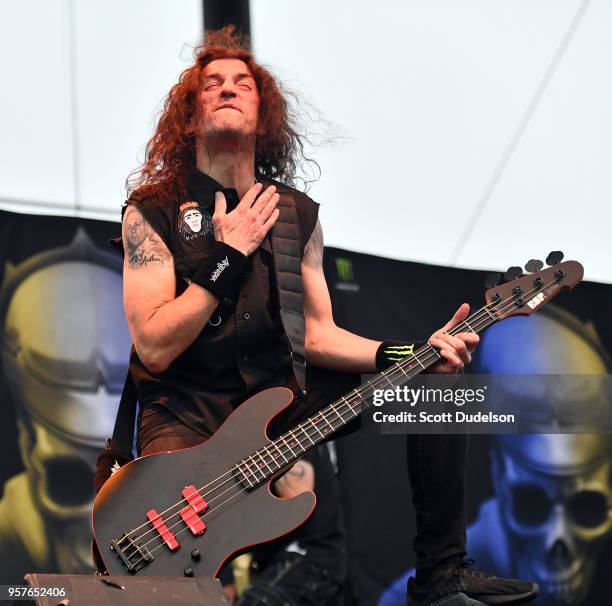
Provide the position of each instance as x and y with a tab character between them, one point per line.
135	229
228	99
193	218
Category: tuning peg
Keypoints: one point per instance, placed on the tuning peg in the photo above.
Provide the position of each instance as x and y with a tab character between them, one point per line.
513	272
556	256
534	265
492	280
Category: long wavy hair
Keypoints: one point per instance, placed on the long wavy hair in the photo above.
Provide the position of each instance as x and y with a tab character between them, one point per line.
170	153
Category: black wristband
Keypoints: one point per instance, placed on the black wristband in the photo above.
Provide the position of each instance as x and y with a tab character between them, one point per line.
390	352
220	271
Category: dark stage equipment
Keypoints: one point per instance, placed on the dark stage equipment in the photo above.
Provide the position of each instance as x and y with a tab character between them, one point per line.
91	590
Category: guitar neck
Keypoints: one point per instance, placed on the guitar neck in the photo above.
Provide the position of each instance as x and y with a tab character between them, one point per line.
293	443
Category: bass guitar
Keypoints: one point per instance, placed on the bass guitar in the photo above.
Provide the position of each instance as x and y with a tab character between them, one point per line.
188	511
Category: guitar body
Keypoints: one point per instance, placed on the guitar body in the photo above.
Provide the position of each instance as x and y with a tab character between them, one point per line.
250	516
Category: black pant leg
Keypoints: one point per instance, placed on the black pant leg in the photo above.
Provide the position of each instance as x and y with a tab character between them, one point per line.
292	581
437	467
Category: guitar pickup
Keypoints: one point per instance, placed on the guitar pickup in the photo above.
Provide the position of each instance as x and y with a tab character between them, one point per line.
190	513
167	536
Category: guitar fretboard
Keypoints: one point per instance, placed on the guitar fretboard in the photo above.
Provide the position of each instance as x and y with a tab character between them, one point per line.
286	449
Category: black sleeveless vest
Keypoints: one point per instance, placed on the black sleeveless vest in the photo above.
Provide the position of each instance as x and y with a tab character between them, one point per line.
252	345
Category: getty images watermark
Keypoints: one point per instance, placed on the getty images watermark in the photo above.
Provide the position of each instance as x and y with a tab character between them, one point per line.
493	404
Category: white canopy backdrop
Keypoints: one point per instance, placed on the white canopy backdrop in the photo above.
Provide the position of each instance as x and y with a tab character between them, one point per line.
82	81
475	134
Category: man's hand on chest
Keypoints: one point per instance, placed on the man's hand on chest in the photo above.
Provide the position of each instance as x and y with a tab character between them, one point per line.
246	226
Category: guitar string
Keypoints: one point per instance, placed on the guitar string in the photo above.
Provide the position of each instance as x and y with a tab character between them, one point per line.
427	351
418	356
424	352
137	550
340	416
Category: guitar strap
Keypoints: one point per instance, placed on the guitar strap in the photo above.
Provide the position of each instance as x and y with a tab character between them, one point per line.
288	272
286	254
118	450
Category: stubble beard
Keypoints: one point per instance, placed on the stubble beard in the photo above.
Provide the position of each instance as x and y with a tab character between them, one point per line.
226	136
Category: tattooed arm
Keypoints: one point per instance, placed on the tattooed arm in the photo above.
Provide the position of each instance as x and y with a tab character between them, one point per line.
162	326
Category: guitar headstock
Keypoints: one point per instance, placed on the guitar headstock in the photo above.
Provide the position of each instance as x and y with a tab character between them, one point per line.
524	294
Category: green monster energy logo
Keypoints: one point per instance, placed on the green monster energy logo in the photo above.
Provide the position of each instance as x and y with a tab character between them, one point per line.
397	353
344	267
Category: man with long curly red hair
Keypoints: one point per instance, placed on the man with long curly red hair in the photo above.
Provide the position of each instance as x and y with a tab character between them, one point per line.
204	308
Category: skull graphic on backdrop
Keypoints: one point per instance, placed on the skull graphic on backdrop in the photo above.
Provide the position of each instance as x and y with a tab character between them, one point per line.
554	500
65	345
553	496
550	519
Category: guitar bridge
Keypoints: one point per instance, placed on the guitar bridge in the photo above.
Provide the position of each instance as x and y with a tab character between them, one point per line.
132	555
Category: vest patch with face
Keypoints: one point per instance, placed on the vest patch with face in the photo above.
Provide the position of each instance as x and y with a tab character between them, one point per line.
193	221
